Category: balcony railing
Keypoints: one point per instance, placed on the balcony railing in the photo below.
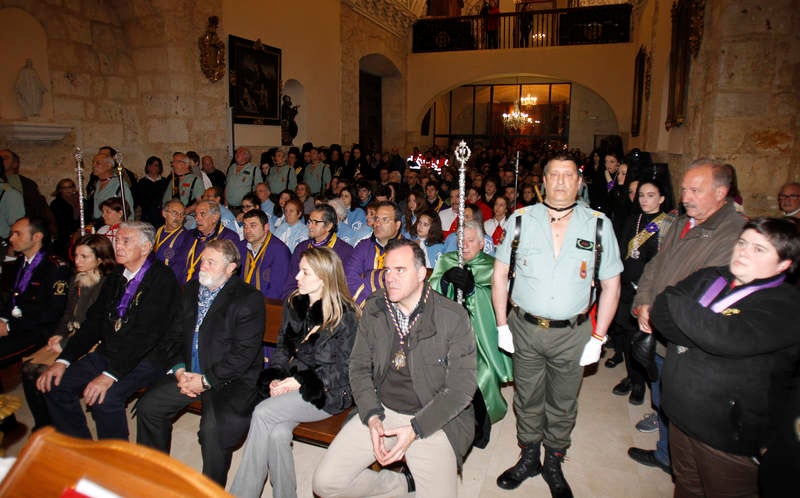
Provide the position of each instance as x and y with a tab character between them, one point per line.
544	28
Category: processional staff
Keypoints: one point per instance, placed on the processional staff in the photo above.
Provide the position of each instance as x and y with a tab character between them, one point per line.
78	155
120	172
462	156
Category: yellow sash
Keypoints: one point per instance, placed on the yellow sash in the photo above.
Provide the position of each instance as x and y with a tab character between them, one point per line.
252	262
192	259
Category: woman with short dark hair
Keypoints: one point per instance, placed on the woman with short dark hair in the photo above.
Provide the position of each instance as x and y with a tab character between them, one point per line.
734	343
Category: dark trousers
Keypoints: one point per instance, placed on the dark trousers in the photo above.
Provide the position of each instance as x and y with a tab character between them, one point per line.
155	412
624	327
34	397
64	405
702	471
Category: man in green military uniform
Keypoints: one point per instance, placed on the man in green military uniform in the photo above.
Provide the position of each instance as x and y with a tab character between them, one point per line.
182	184
474	280
241	179
552	336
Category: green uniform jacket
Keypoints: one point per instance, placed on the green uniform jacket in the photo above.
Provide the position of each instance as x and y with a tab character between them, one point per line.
494	366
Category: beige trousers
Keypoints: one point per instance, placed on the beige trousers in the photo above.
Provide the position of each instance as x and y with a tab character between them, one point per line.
344	472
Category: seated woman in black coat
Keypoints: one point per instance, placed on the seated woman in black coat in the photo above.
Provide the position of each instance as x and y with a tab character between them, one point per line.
308	376
734	342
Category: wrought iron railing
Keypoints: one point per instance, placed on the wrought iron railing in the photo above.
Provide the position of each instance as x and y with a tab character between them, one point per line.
545	28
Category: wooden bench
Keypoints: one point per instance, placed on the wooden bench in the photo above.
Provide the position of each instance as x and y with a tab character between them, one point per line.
320	433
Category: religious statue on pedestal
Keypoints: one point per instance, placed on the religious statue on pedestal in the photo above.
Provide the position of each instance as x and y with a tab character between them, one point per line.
30	90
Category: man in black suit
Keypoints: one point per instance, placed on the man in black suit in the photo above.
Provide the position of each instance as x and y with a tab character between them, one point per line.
33	297
37	293
128	322
216	357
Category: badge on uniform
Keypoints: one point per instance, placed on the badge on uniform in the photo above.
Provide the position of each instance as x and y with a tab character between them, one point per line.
583	269
586	245
16	312
60	288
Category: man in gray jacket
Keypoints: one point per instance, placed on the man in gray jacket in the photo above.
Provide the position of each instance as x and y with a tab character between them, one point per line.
704	236
413	375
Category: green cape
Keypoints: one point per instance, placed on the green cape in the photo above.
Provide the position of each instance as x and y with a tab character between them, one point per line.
494	366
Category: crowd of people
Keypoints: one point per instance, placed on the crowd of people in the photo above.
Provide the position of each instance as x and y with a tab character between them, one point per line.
394	305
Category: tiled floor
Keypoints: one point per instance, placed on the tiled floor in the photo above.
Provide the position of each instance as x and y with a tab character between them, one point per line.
597	463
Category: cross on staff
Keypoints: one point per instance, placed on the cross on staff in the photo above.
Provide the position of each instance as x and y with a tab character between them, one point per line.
462	156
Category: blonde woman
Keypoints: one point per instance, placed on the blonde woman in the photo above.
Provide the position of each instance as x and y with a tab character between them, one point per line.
308	375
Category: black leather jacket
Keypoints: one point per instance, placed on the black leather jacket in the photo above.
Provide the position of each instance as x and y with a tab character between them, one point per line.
319	364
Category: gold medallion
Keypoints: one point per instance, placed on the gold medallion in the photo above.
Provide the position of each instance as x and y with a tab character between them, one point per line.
399	360
118	325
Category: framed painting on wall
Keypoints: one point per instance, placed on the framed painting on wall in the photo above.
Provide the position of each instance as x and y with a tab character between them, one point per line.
254	82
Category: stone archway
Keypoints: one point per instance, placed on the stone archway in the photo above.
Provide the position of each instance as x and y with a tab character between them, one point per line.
380	102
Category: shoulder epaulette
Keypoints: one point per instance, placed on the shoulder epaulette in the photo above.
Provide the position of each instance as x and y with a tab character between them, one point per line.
57	260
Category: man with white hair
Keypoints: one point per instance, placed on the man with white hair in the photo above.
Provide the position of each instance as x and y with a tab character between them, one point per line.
126	322
474	281
209	227
344	231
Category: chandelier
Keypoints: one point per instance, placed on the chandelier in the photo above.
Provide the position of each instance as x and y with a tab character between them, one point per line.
528	100
516	119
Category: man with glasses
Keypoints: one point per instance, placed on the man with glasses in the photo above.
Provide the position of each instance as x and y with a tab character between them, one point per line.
789	199
364	270
127	321
322	226
169	237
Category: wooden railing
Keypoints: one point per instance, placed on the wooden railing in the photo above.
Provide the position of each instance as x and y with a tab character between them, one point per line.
544	28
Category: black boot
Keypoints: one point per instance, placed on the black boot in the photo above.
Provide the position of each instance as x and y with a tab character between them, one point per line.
529	465
551	472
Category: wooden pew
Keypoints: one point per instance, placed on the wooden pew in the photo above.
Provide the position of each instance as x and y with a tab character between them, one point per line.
50	463
320	433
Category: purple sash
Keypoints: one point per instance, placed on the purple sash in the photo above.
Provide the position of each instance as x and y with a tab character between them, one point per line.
24	276
734	297
132	287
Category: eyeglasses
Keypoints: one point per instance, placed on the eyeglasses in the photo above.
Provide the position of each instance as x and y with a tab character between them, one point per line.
311	220
788	196
174	213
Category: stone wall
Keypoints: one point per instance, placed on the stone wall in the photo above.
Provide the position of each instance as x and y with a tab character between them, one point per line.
126	74
743	102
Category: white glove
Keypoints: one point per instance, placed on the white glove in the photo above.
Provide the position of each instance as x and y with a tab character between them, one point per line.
504	339
591	351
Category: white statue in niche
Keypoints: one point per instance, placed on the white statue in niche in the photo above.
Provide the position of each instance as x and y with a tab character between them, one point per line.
30	90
